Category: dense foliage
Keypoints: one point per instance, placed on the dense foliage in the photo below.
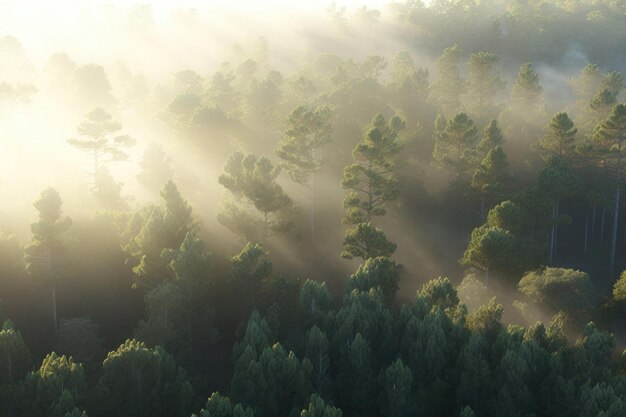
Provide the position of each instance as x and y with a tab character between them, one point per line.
463	160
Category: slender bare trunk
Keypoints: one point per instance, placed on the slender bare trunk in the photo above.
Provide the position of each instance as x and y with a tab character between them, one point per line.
616	213
556	227
313	192
552	234
586	229
54	312
593	222
602	224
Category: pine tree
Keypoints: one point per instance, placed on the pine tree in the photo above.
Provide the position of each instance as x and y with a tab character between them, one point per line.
139	381
527	89
253	180
366	241
492	179
308	130
371	179
484	83
455	146
46	257
397	396
610	137
560	138
377	273
100	142
492	137
448	87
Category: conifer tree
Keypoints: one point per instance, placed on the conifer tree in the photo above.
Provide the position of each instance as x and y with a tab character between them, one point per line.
492	137
46	257
483	83
371	180
448	87
253	180
527	89
492	179
609	138
366	241
560	138
155	168
100	141
308	130
455	146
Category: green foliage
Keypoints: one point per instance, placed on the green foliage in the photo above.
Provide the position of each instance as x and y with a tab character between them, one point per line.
45	257
366	241
99	140
483	82
371	179
527	89
317	352
251	268
492	178
274	382
560	138
252	179
221	406
449	86
619	288
14	355
55	389
396	399
492	137
377	272
307	131
80	339
152	230
319	408
315	300
455	145
559	289
141	381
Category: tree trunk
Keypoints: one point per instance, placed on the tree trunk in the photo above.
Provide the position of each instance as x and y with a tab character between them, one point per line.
593	222
602	224
552	234
313	192
54	312
586	229
616	213
556	227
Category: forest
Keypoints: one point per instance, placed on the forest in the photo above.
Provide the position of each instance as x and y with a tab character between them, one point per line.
313	209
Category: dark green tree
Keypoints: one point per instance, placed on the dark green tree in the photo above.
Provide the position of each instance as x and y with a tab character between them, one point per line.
483	83
377	272
492	137
396	398
371	180
220	406
560	138
455	146
449	87
366	241
140	381
308	130
492	179
252	179
46	257
319	408
609	138
251	269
